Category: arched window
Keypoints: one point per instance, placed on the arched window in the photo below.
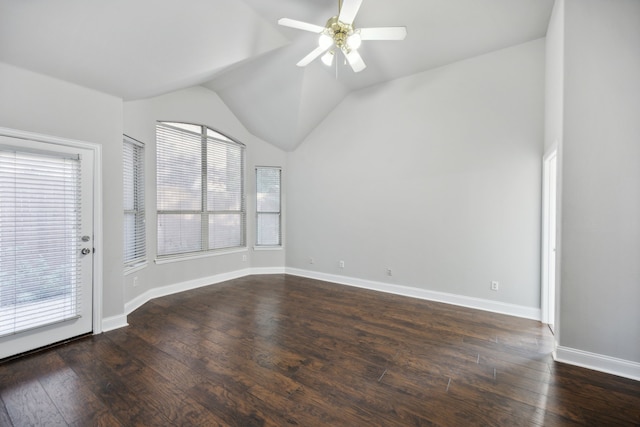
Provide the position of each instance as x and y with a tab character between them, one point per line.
200	190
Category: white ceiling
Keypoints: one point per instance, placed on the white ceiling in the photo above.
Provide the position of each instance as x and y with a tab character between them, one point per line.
136	49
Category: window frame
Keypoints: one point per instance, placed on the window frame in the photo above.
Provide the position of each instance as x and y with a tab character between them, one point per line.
139	208
279	245
206	135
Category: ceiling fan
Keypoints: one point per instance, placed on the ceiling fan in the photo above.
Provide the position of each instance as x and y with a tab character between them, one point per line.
339	34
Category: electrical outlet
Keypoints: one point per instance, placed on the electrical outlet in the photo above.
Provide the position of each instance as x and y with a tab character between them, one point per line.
341	264
388	272
244	257
312	261
495	286
135	282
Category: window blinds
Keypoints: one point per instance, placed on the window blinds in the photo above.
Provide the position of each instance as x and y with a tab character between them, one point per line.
268	208
40	280
135	251
200	188
225	194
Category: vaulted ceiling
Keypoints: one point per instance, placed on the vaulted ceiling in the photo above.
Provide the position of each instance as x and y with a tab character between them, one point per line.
136	49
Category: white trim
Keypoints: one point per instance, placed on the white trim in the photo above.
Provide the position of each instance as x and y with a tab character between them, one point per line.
268	248
114	322
476	303
97	208
551	153
598	362
142	299
202	254
460	300
98	244
268	270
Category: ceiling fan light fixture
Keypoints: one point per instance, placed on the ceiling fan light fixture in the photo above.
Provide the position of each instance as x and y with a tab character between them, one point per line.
325	41
354	41
327	58
355	60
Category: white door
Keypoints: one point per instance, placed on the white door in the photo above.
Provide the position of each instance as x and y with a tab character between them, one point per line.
549	238
46	243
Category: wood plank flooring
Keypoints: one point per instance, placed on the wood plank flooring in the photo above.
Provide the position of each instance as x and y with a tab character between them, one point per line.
287	351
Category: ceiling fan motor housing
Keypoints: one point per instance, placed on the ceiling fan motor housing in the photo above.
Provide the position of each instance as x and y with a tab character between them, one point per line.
339	32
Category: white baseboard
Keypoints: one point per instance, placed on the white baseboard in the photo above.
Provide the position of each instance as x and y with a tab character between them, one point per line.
268	270
140	300
114	322
598	362
120	321
460	300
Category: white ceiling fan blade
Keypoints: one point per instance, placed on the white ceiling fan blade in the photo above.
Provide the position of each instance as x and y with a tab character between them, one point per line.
299	25
311	56
355	60
349	10
383	33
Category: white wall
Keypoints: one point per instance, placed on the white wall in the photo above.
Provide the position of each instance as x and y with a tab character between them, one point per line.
201	106
436	176
37	103
600	276
554	77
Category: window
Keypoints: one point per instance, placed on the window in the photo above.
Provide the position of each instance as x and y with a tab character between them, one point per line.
135	252
268	222
200	184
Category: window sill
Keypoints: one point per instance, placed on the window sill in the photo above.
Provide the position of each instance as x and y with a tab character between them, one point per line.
187	257
268	248
137	267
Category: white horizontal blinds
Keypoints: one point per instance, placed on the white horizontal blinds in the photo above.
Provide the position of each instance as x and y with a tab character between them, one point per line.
179	184
200	190
40	280
268	202
135	251
225	194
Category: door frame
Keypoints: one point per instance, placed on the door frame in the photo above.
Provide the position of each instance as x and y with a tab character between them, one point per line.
545	308
97	208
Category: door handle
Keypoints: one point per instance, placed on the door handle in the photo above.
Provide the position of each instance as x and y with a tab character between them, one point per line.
85	251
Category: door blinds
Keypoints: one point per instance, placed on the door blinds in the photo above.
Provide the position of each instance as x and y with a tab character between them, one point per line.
39	240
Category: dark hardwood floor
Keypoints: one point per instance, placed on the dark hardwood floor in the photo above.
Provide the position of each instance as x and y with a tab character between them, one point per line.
283	350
